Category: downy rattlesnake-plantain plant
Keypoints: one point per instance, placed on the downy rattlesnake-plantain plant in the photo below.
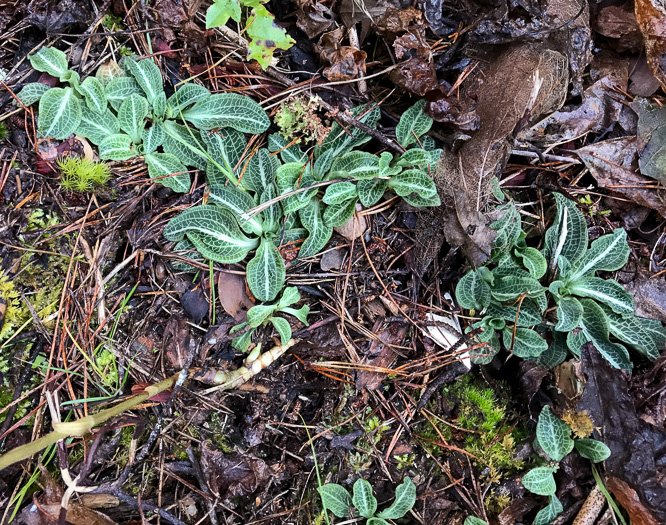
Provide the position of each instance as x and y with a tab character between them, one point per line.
544	304
256	202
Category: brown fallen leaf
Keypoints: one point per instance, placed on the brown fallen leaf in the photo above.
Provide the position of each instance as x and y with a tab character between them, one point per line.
233	295
232	475
614	165
601	108
519	84
651	18
630	501
345	62
380	354
619	23
313	17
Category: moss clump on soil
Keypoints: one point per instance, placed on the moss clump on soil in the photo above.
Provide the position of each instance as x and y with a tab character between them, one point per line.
299	118
82	175
483	430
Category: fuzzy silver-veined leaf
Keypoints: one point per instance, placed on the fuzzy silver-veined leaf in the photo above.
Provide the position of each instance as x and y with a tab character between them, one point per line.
260	171
283	328
120	88
533	260
59	113
421	201
472	291
340	140
385	168
265	273
215	249
413	181
147	75
116	147
363	499
228	110
508	228
608	253
529	314
132	115
239	202
473	520
575	342
152	137
569	230
337	215
357	165
32	92
186	250
512	287
301	314
312	217
591	449
553	435
340	192
293	239
370	191
417	157
336	499
556	353
540	481
93	92
290	177
605	291
185	96
97	126
648	336
73	78
168	170
413	123
242	342
405	497
214	229
258	314
569	314
551	511
290	296
508	271
597	329
185	143
270	216
225	148
527	343
50	60
159	106
287	153
323	164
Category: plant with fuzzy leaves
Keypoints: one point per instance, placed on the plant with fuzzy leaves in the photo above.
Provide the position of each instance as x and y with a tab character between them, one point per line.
263	314
521	288
265	35
126	113
269	204
554	438
363	503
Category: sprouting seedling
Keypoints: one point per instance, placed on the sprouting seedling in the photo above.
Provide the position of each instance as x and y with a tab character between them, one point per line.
554	438
363	502
265	313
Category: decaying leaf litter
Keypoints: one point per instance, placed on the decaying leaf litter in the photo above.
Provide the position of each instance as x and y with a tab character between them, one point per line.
97	305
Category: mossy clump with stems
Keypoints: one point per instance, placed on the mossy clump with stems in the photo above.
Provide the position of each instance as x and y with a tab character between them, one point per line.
82	175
